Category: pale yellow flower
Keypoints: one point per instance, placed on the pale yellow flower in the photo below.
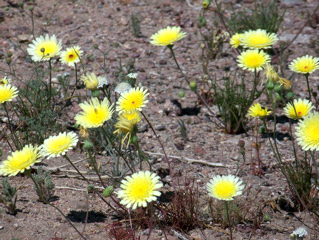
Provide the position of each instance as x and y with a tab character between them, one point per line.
167	36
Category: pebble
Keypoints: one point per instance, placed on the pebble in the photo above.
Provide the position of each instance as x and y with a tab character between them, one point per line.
1	227
16	226
160	127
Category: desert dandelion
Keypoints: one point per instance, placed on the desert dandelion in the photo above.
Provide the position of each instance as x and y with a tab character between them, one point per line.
132	100
7	93
298	109
44	48
167	36
253	60
71	56
139	189
307	132
20	161
258	39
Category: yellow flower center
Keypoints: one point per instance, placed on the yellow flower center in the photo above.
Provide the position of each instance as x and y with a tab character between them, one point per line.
312	133
140	189
5	95
225	189
47	49
254	60
59	144
23	159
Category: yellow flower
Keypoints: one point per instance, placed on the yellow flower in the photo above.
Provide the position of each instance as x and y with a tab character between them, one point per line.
58	145
43	49
132	100
305	65
20	161
134	117
95	113
308	132
90	80
256	111
225	187
167	36
235	40
71	55
270	73
7	93
258	39
4	81
253	60
299	109
139	189
125	127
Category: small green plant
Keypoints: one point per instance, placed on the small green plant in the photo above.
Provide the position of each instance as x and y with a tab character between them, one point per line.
233	101
136	25
8	196
45	184
265	15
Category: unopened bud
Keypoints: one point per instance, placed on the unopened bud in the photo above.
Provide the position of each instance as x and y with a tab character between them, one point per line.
31	8
88	145
277	88
205	3
290	95
95	46
278	97
95	93
8	61
42	50
181	94
270	85
193	86
9	54
107	192
90	188
261	130
134	139
314	94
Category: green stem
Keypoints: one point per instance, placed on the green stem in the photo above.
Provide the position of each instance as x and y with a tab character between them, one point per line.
76	80
163	149
309	90
170	47
68	159
229	222
50	80
95	168
118	151
14	137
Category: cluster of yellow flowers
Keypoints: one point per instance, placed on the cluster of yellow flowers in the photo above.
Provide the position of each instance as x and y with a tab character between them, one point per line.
255	58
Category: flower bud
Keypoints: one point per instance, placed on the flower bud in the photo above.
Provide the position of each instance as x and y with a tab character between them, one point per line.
8	61
290	95
278	97
9	54
193	86
205	3
241	143
96	46
181	94
88	145
261	130
90	188
20	4
31	8
96	93
270	85
277	88
107	192
134	139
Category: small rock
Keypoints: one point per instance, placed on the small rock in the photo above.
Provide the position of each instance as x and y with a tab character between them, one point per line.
16	226
160	127
143	128
162	62
24	38
1	227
